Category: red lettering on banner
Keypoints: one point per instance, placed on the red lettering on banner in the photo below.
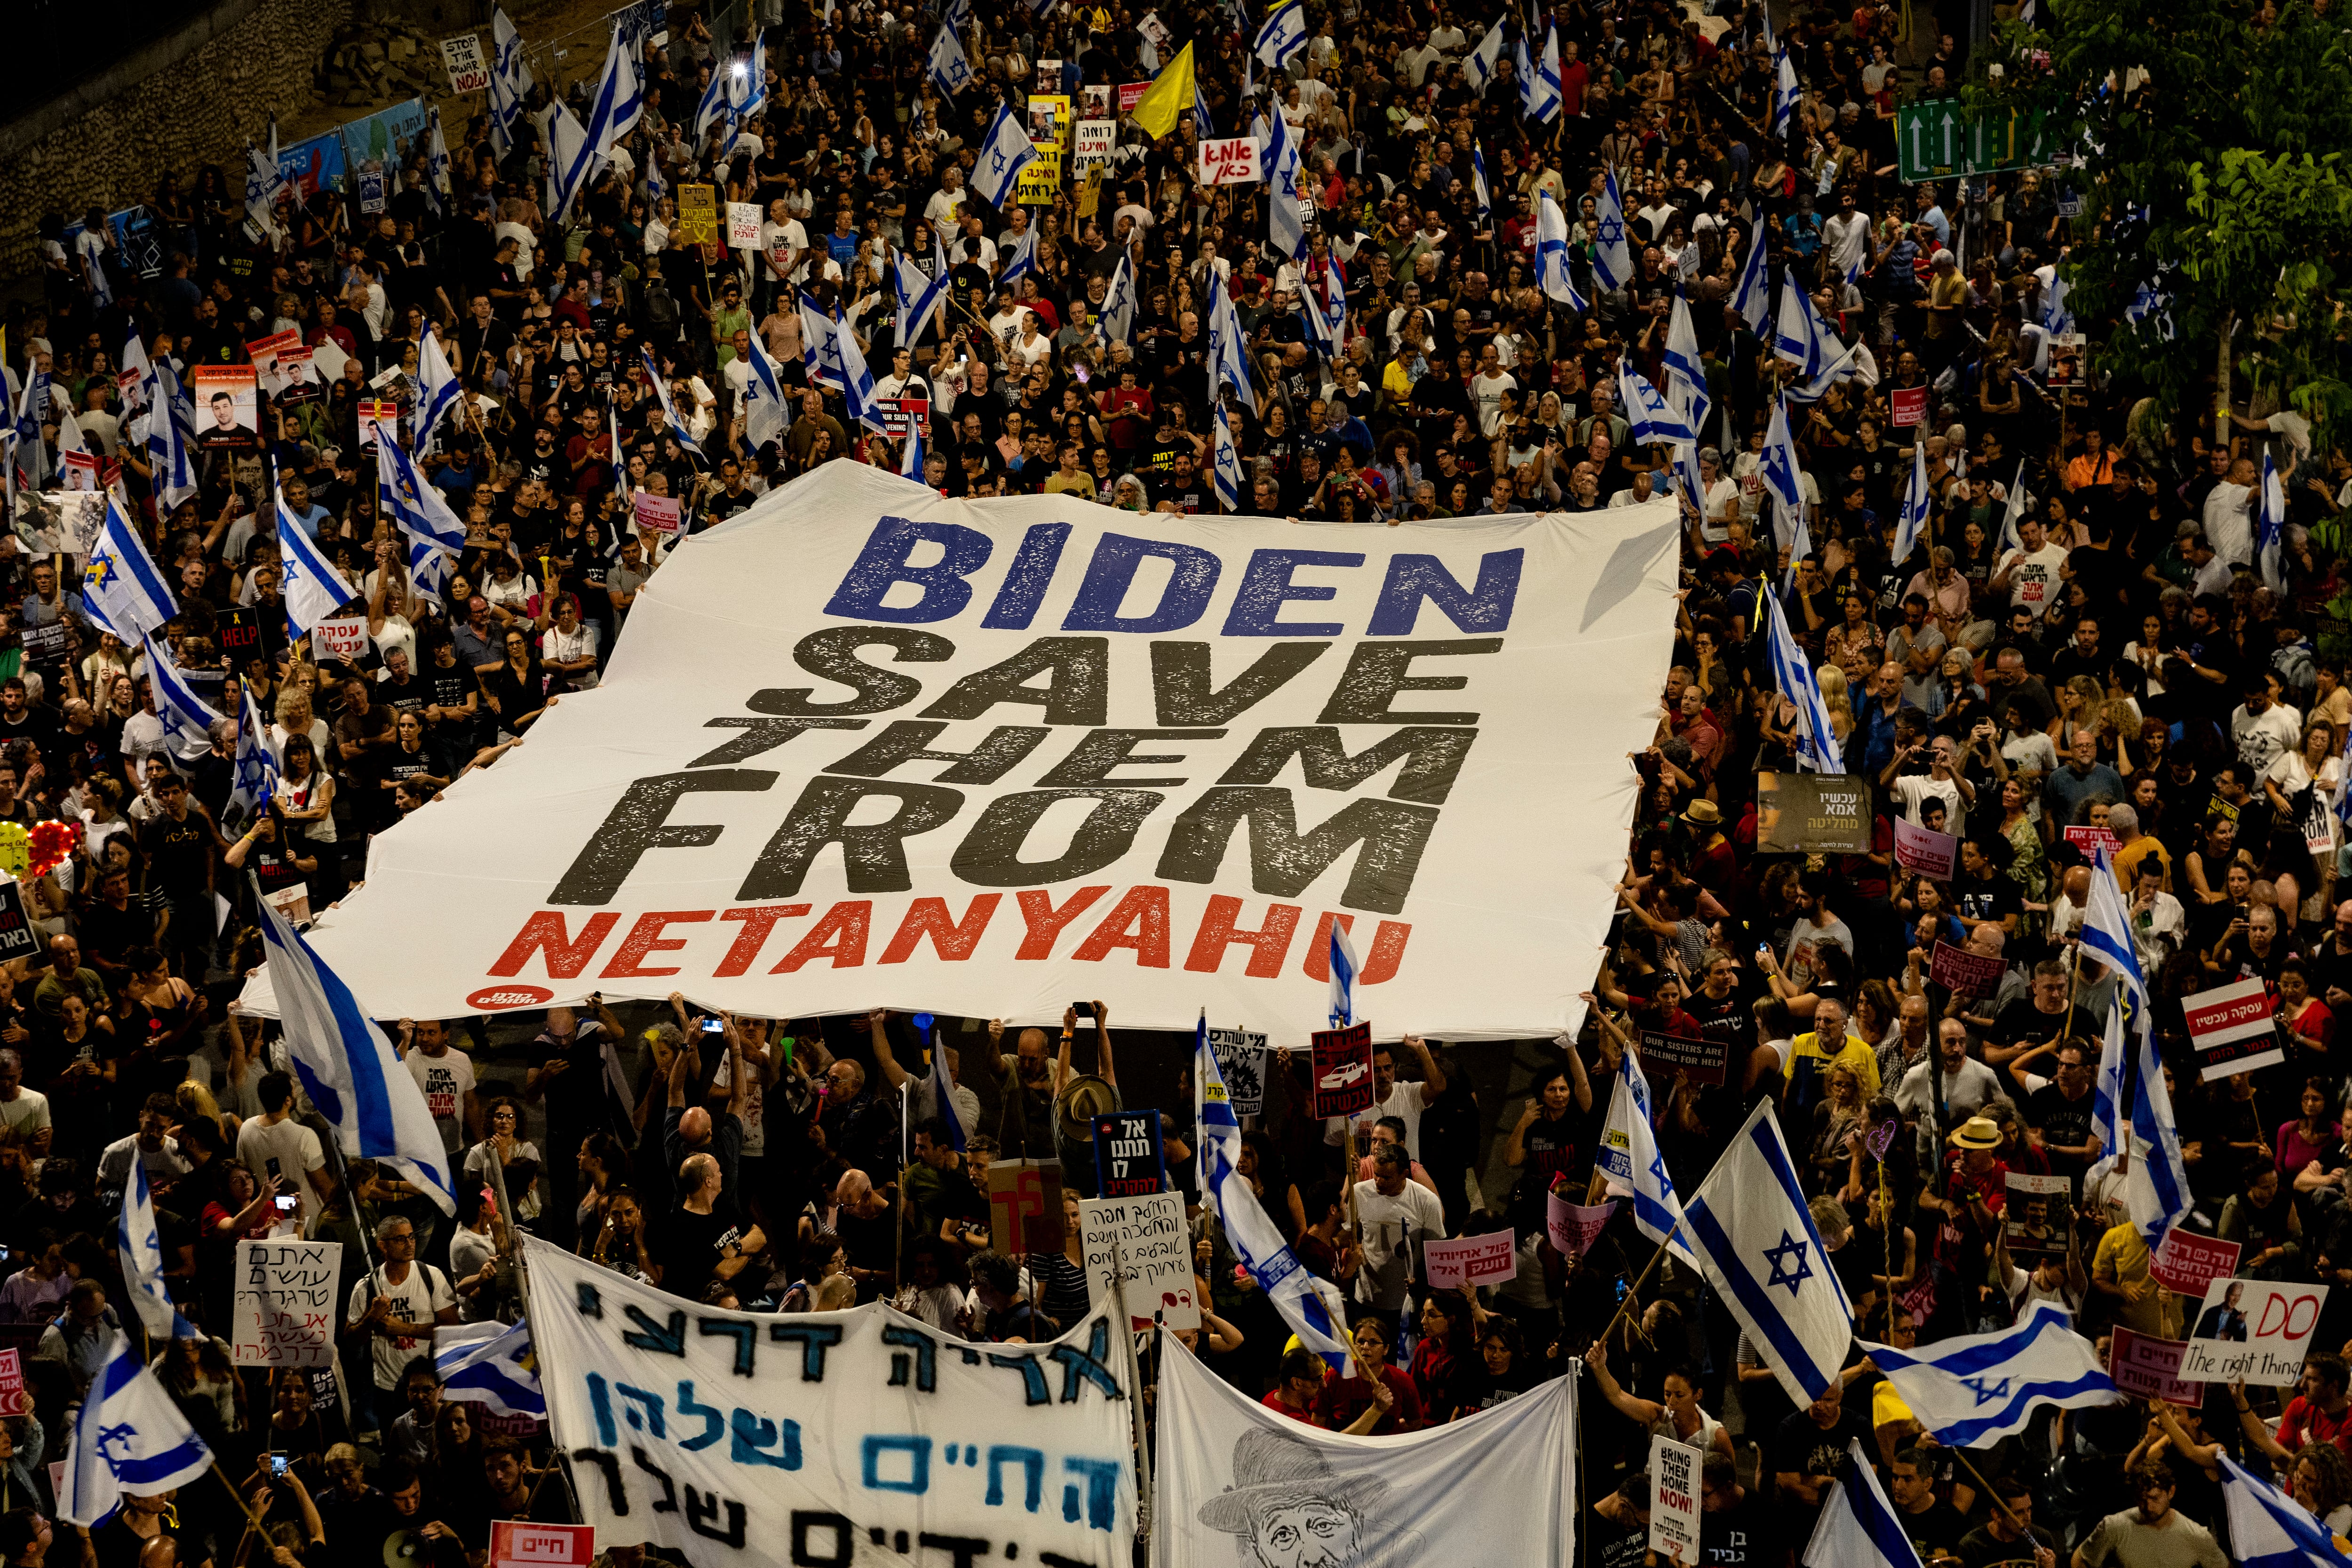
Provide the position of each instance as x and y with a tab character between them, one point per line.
1269	944
839	935
1381	964
546	933
954	940
1045	922
2290	1315
647	938
759	919
1138	920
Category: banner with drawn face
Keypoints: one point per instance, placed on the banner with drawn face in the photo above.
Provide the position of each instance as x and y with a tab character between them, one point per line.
853	1439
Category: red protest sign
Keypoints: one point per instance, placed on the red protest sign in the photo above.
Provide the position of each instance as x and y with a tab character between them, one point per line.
518	1544
1024	1206
1472	1261
1924	850
2230	1027
2150	1368
2090	840
1130	93
1958	969
1343	1071
2188	1263
1229	160
1909	404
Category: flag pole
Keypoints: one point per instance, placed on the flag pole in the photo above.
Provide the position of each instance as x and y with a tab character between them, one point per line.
1633	1290
1961	1455
1134	1389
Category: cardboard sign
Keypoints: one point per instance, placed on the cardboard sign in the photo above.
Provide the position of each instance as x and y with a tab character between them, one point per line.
743	226
1573	1228
468	72
1229	160
1024	1206
286	1312
518	1544
2232	1029
228	406
2252	1331
2037	1219
2090	840
1472	1261
1096	140
14	1400
1128	1159
1930	853
1153	1249
1343	1071
1968	974
343	637
659	514
1090	191
1241	1062
2150	1368
698	213
1701	1059
17	937
1674	1500
1909	404
2189	1263
1827	814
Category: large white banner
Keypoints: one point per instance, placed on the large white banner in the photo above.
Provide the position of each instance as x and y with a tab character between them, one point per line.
861	746
850	1439
1235	1485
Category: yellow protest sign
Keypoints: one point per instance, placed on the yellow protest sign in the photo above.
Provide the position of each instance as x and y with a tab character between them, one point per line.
698	213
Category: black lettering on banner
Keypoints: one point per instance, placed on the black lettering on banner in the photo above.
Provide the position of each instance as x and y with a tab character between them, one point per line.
907	740
1284	862
1032	1377
638	822
746	1337
702	1509
990	855
814	1339
844	1551
925	1361
874	857
1377	673
1433	760
668	1503
1076	688
616	1495
1181	688
668	1338
830	654
1099	751
1088	1364
965	1549
763	735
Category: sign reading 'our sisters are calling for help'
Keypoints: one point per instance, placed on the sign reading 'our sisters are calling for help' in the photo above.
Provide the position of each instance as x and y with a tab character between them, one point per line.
984	757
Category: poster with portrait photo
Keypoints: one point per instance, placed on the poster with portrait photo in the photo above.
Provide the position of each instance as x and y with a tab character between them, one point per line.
1097	101
228	407
2037	1218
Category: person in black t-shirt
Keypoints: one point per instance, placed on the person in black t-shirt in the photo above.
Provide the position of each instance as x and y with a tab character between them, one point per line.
1935	1527
1622	1538
1738	1528
1808	1450
2009	1534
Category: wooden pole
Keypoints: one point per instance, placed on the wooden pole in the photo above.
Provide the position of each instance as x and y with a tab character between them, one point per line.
1962	1457
1634	1291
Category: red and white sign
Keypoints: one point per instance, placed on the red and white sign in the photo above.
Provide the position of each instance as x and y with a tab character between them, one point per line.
660	514
1130	93
342	637
899	414
2250	1331
468	72
1229	160
2230	1027
2150	1368
1573	1228
14	1401
2090	840
1924	850
1958	969
1909	404
515	1543
2188	1264
1472	1260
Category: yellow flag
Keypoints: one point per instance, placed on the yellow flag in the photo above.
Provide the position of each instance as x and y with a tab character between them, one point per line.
1168	97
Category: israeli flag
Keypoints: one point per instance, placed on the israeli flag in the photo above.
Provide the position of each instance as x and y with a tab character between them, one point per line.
187	719
436	165
1202	124
1284	226
1021	259
1755	1241
910	452
137	378
1524	69
1980	1388
766	413
942	1090
511	81
255	783
1628	1157
1613	263
170	437
428	568
1784	96
2268	1529
917	296
1912	524
2055	316
1751	298
501	1372
1547	91
713	111
420	508
438	388
1857	1528
2270	528
1225	462
1479	66
1653	420
1002	155
139	1245
747	83
1551	253
1116	322
1685	373
2014	511
1478	191
951	71
313	589
1228	349
2131	1111
1283	35
120	586
620	99
1796	334
347	1066
685	441
129	1440
1792	673
1692	481
832	358
1311	1305
1342	959
1776	466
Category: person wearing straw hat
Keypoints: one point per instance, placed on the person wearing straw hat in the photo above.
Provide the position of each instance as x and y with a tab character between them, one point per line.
1289	1509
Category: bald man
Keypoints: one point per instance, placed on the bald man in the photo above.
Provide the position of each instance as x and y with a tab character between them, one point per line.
692	1130
700	1238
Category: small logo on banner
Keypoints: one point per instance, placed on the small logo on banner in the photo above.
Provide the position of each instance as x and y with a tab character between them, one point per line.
495	998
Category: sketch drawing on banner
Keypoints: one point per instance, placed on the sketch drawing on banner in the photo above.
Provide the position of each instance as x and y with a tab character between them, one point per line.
1284	1496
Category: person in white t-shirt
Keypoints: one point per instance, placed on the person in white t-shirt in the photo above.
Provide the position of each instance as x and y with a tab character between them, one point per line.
1403	1100
274	1144
398	1306
2030	572
447	1076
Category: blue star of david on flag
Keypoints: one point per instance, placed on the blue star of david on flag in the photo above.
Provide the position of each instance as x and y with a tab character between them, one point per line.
1785	1272
1986	1389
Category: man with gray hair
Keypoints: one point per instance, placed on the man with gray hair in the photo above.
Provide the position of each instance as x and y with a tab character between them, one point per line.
396	1307
1394	1212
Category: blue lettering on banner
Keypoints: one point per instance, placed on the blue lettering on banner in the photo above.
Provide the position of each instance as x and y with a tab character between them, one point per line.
887	559
1101	1478
1483	607
754	1433
917	1450
1088	1364
1033	1377
1032	1474
1026	580
1182	601
668	1338
814	1339
1267	587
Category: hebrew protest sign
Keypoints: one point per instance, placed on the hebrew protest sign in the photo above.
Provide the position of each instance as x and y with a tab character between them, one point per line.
1825	814
1153	1249
1573	1228
1343	1071
1472	1260
14	1400
2230	1027
1925	850
1241	1059
1958	969
1229	160
1129	1161
2150	1368
1024	1206
2188	1264
285	1307
735	1440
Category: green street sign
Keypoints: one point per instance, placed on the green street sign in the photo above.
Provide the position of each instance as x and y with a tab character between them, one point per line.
1938	138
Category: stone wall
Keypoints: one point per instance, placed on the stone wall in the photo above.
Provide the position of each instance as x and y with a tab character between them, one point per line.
188	100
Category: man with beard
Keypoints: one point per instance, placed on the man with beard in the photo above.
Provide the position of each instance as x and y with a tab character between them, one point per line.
1027	1083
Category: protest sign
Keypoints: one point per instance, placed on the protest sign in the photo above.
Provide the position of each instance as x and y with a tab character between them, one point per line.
1095	100
519	1544
1130	93
379	422
468	72
262	354
1096	140
1128	1160
1153	29
1924	850
298	373
1573	1228
1040	181
340	637
78	470
1812	813
1154	1253
901	414
743	226
58	523
1024	1206
1229	160
734	1439
14	1400
1219	887
1049	123
17	937
1702	1058
286	1311
2034	1220
1240	1061
2232	1028
371	180
1908	405
228	406
2148	1367
1471	1259
1343	1071
2090	840
658	514
2188	1264
698	213
1970	973
2250	1330
1673	1499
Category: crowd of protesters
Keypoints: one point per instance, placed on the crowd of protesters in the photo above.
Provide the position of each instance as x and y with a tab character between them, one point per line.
2121	666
